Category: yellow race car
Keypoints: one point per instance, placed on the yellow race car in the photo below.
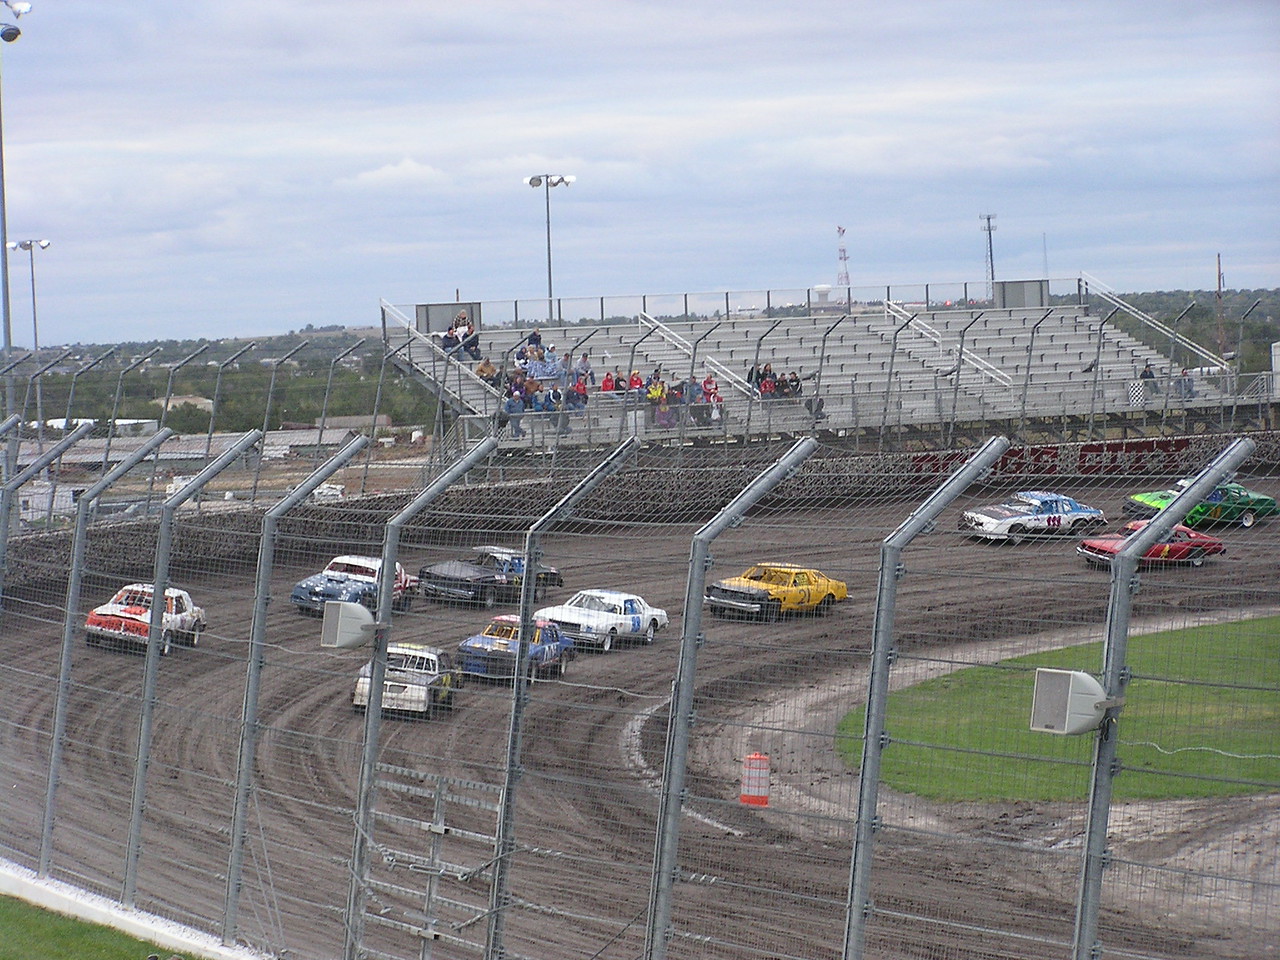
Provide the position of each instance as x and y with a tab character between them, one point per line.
768	590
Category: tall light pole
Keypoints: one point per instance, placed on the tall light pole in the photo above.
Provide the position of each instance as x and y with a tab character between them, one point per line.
8	34
547	181
30	246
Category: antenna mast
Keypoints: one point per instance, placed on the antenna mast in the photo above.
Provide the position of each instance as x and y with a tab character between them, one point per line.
842	278
989	228
1220	314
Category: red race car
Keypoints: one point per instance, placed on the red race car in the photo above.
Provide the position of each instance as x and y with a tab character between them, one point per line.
1180	545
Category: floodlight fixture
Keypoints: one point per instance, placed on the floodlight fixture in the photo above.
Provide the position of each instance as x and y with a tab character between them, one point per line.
547	181
9	33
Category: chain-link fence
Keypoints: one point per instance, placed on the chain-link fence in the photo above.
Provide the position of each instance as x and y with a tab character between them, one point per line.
693	791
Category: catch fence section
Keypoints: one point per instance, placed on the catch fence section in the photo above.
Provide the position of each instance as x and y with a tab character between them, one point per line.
693	792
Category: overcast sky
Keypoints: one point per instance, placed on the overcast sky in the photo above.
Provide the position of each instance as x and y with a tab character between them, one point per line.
219	168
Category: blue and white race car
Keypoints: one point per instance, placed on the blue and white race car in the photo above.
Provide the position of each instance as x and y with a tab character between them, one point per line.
600	618
493	653
352	579
1030	513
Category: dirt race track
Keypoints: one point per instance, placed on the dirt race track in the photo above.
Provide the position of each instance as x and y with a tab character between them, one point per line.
594	746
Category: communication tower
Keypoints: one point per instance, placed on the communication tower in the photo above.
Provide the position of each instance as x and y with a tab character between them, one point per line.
842	277
989	228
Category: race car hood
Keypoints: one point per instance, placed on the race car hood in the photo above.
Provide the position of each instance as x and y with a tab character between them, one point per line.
462	570
580	615
1002	511
490	644
131	612
742	585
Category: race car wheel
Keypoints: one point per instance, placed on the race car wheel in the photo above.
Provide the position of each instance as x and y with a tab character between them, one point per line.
824	606
1197	560
488	598
650	631
539	591
166	643
92	639
1016	533
192	638
402	603
1248	518
606	643
771	611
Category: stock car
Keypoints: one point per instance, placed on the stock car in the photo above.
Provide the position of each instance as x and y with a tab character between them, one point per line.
1028	513
600	618
492	653
125	620
493	576
1180	545
1226	503
355	580
765	591
419	679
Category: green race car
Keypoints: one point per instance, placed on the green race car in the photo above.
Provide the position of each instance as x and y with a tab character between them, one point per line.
1226	503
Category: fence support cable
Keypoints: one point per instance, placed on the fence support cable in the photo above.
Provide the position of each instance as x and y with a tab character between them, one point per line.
921	520
70	627
155	644
1124	584
365	790
253	676
680	719
499	897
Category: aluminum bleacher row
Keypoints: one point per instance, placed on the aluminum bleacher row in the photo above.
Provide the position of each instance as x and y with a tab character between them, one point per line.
875	368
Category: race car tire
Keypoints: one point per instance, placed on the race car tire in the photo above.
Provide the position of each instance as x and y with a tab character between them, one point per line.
92	639
606	642
650	631
539	591
1197	560
488	598
771	611
1016	533
166	643
825	605
1248	518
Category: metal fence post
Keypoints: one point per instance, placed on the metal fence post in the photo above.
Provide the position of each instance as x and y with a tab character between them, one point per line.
666	843
498	894
20	477
155	641
1124	584
921	520
365	791
256	661
75	574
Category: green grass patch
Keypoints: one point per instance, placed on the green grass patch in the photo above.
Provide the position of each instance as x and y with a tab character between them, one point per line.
32	933
1201	719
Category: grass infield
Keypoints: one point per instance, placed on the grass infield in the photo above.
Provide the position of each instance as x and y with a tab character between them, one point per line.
1201	719
32	933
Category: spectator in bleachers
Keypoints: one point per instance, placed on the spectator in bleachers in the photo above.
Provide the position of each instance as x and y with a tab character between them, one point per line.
487	372
450	343
1148	378
606	385
468	337
534	340
1185	385
634	383
578	395
709	388
583	369
514	409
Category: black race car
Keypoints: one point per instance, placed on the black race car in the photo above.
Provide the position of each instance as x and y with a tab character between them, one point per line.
493	576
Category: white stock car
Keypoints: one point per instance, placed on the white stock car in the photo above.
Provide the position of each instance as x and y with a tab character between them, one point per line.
600	618
1030	513
125	620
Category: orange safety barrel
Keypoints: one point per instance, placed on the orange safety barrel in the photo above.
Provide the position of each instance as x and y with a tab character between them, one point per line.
755	780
